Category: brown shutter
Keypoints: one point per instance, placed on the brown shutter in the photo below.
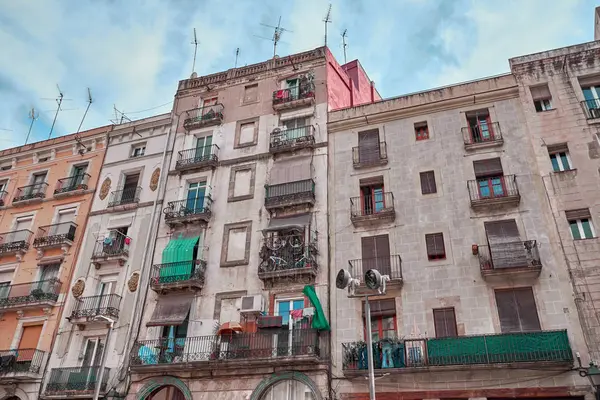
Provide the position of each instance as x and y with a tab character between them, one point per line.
487	168
578	214
557	148
382	308
428	185
528	315
444	320
506	248
435	245
541	92
368	146
376	253
507	311
517	310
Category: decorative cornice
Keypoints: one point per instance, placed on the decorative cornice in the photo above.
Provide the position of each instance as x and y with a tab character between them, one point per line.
119	210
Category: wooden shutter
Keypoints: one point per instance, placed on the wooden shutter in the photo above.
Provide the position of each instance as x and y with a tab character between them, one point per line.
582	213
487	168
444	320
368	146
381	308
517	310
435	245
30	337
376	253
541	92
506	248
428	185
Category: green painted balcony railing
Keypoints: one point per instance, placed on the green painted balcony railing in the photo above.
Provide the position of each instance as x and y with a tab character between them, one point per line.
525	347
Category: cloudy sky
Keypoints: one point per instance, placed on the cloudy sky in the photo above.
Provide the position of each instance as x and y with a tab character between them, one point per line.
132	53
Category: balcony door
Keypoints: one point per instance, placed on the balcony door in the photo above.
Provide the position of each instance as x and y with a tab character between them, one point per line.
103	299
92	357
290	310
293	86
490	178
203	148
62	225
195	197
130	185
375	255
506	247
372	199
480	126
77	176
46	273
368	146
36	181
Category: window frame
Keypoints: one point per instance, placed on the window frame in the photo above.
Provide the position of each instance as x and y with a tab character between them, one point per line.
541	106
421	131
437	330
433	257
135	148
559	163
581	229
379	319
429	176
364	206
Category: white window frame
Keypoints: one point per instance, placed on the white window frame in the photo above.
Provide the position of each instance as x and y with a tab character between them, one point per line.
139	146
86	340
26	321
595	89
580	228
561	167
16	221
546	104
287	300
4	182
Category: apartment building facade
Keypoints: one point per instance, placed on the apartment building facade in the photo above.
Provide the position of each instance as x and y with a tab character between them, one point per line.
237	303
46	191
479	302
99	306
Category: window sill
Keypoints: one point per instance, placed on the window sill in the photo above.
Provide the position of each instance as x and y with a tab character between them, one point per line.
545	111
593	121
249	103
244	145
584	239
566	171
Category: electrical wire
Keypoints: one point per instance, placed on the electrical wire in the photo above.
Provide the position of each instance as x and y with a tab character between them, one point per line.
148	109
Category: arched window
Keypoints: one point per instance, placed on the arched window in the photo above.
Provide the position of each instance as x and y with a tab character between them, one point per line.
289	390
167	393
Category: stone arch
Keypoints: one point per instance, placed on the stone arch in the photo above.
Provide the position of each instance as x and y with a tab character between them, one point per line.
15	393
155	383
267	383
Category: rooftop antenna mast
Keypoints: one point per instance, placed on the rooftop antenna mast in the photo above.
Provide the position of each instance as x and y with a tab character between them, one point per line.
90	101
276	35
119	119
237	54
59	101
327	20
33	118
344	44
195	43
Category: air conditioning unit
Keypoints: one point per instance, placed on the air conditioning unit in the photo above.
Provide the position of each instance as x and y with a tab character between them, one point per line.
254	304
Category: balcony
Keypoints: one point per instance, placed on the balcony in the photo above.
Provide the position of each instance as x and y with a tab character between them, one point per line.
243	350
504	261
75	382
189	210
113	247
30	194
288	260
177	276
88	309
36	294
364	157
15	242
302	95
591	108
20	364
203	116
3	195
290	194
71	186
55	236
127	197
544	349
482	136
372	209
198	159
284	140
494	191
386	265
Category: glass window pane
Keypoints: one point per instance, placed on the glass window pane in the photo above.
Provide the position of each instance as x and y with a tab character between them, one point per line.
388	323
565	161
587	229
575	230
554	160
298	305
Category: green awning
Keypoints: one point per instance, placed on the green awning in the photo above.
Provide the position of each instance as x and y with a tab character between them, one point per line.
181	249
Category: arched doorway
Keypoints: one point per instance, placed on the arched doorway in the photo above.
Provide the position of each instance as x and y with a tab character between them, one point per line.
167	393
289	389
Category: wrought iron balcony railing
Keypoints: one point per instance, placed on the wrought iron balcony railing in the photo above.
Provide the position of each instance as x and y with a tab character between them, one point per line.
94	306
3	195
204	116
495	189
15	241
363	156
30	293
290	139
129	195
182	273
299	92
525	347
371	205
509	255
72	184
239	347
55	235
21	361
591	108
198	157
388	265
114	244
76	380
291	192
188	209
287	255
31	192
480	134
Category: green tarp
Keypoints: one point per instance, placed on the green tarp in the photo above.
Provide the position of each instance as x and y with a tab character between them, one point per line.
180	254
319	321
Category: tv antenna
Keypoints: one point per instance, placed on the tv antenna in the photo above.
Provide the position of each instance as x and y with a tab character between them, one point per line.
195	43
327	20
237	54
90	101
344	44
119	116
59	101
276	35
33	118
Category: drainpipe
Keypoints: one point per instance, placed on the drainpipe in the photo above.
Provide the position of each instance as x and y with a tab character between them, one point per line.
149	247
372	92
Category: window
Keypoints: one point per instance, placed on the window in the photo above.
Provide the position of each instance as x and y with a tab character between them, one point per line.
488	174
251	93
444	320
372	197
195	197
203	148
517	310
138	150
505	245
435	246
580	222
43	159
375	254
91	353
480	126
210	101
559	157
542	99
5	280
295	123
24	222
39	178
421	131
383	319
368	147
428	182
591	94
3	186
285	308
6	167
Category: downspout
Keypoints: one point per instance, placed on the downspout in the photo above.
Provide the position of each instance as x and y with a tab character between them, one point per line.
149	246
372	92
74	260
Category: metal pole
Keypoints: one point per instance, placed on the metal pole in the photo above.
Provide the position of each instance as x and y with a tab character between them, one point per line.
103	362
370	350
